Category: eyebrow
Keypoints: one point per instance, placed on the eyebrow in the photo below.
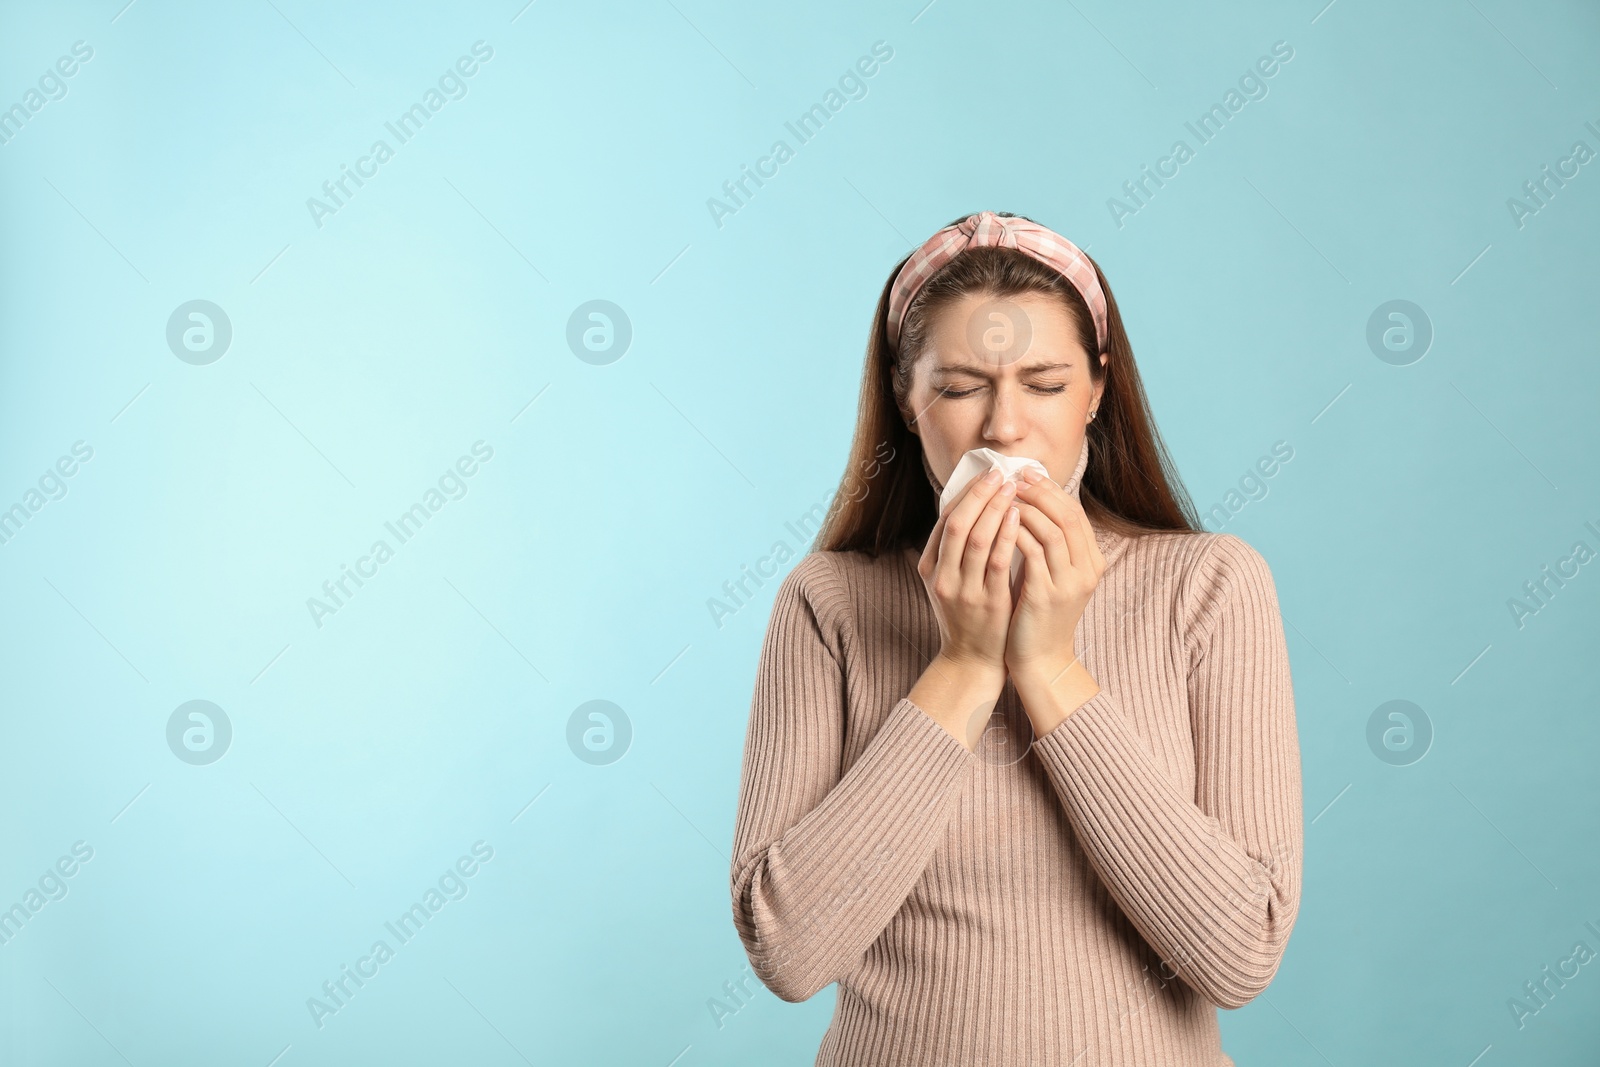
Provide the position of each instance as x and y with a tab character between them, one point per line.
973	368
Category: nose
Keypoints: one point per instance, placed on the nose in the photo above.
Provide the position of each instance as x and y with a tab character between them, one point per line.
1003	425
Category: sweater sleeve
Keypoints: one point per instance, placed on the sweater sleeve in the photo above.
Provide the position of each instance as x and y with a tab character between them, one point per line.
1212	881
822	860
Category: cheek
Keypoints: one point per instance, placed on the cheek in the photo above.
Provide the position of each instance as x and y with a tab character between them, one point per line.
946	436
942	444
1074	400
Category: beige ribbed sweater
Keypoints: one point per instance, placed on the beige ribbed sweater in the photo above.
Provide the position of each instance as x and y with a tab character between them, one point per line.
1086	899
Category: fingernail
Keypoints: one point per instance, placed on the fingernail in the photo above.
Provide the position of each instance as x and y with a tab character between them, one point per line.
993	476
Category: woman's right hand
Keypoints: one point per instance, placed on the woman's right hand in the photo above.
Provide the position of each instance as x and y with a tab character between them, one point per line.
966	568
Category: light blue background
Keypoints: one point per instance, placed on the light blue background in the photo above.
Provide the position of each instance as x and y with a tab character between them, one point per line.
431	312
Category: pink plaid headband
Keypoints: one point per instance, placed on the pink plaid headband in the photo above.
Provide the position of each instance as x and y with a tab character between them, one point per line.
986	229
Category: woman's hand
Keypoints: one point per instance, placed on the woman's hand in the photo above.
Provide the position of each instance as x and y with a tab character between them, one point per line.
966	568
1061	571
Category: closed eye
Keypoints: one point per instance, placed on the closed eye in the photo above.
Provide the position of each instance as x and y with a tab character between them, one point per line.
1041	389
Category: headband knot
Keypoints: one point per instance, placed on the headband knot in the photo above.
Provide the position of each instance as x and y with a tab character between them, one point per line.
985	229
999	230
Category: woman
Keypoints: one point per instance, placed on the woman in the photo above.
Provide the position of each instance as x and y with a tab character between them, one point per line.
1055	824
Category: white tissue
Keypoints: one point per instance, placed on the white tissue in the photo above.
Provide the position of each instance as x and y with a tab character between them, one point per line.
979	462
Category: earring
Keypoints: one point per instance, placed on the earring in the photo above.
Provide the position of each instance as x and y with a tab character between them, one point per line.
1093	413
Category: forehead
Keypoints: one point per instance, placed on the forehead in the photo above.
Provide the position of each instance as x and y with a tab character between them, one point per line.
980	332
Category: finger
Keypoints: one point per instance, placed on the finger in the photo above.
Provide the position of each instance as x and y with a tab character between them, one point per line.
1069	515
1051	499
979	556
1066	512
1050	538
974	488
930	551
1036	570
963	513
1005	549
1034	561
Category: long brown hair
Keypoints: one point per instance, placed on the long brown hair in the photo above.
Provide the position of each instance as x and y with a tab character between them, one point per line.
885	501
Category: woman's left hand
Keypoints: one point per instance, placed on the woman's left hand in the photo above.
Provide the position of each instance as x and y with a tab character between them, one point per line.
1062	568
